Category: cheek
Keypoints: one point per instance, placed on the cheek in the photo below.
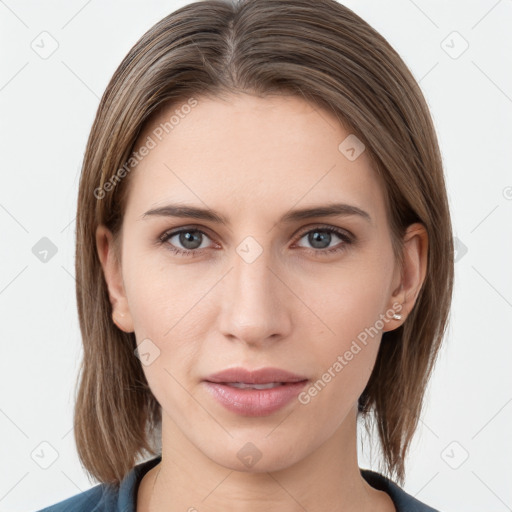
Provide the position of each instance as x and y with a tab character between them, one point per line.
164	310
351	305
344	360
351	301
173	359
346	357
159	293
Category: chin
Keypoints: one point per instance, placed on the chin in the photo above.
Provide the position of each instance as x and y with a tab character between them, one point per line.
260	456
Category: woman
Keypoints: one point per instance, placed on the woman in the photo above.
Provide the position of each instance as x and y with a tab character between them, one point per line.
264	256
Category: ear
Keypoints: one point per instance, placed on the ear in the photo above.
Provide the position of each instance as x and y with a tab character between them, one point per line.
111	264
415	254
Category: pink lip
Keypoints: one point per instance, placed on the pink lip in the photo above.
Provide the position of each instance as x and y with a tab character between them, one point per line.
254	402
261	376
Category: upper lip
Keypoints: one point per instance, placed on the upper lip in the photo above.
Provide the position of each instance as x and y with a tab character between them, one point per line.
260	376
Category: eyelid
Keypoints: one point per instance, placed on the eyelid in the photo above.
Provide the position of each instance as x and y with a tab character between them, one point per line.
175	231
329	227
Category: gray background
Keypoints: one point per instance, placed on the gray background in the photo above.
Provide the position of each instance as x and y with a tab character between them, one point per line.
461	455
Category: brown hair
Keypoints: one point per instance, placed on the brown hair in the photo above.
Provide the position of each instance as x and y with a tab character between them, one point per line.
328	55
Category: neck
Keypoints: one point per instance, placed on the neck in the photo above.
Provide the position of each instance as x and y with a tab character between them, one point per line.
327	479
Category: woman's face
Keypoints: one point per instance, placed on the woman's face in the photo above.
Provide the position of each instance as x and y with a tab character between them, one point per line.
265	287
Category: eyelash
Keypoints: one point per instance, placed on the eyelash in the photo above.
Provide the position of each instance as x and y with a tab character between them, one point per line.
348	239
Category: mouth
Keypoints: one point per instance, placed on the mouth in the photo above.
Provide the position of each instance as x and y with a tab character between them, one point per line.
245	385
269	377
255	393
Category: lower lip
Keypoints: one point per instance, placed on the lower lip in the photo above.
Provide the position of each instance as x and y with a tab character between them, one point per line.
255	402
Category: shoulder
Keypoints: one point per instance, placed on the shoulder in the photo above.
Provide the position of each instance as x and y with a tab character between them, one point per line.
403	501
107	498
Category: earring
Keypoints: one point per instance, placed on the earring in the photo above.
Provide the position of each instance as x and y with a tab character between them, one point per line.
397	316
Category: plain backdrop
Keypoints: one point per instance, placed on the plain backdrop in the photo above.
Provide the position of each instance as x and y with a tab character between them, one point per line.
459	51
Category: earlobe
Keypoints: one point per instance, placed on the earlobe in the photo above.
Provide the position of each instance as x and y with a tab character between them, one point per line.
113	277
415	254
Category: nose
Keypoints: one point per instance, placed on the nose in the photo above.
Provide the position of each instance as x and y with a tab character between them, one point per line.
256	301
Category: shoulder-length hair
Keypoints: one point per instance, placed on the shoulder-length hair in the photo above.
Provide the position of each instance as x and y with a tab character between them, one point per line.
326	54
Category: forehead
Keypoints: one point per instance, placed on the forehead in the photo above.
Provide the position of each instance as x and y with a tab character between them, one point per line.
259	155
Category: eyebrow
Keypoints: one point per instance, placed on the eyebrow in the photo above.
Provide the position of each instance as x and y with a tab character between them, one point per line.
193	212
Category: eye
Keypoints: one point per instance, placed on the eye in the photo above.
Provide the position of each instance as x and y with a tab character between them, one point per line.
322	236
191	239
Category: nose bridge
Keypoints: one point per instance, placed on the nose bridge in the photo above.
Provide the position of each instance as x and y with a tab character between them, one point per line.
254	306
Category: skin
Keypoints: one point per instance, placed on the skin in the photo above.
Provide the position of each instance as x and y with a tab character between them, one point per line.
252	160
